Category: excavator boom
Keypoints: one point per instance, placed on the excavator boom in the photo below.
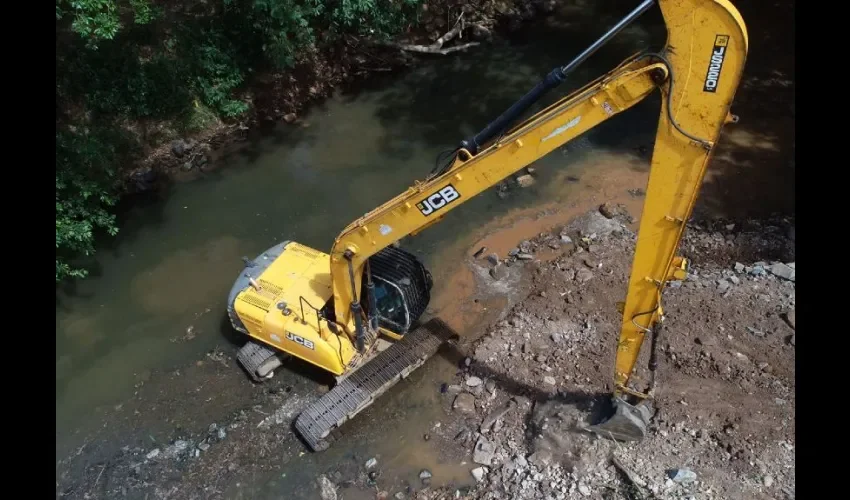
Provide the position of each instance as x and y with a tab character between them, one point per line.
706	51
428	202
698	73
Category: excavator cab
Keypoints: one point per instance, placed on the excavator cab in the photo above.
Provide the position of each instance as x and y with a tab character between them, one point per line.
401	291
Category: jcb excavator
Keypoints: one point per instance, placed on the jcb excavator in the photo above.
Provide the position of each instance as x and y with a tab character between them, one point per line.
355	311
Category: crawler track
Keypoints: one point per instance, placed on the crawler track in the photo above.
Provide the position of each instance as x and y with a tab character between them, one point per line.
359	390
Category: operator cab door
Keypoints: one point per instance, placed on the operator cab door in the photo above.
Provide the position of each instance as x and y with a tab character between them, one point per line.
393	311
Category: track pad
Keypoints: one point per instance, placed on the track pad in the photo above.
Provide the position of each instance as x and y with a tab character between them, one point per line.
629	422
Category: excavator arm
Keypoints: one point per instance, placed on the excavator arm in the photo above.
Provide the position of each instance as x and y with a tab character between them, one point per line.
426	203
697	72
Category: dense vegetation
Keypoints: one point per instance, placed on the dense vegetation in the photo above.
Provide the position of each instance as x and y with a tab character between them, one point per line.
125	67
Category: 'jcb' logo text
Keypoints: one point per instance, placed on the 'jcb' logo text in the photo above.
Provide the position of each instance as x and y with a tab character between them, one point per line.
300	340
438	200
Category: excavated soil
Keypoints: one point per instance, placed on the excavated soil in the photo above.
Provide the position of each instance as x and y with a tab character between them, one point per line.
725	390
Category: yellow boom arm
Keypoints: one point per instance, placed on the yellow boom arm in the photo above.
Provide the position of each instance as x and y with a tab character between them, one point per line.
697	72
427	202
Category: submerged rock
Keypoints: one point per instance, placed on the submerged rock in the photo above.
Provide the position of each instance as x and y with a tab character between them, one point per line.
525	180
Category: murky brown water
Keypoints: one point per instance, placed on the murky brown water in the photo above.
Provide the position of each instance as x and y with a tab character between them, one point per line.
166	277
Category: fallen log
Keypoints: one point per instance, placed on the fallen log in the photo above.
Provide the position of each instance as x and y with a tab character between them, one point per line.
437	46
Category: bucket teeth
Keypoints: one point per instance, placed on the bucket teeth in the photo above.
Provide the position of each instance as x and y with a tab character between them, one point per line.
629	422
356	392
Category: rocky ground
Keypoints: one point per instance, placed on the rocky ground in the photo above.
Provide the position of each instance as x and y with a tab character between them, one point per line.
515	409
724	422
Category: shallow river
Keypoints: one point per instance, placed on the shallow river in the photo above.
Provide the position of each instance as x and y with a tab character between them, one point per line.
177	255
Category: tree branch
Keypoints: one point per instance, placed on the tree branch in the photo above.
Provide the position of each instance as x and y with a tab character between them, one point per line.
437	46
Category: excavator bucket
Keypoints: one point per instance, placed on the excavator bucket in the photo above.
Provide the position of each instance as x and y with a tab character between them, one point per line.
628	422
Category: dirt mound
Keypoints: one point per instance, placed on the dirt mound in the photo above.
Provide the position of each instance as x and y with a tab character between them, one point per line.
724	426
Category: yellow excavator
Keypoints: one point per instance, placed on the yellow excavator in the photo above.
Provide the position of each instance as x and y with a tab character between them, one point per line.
355	311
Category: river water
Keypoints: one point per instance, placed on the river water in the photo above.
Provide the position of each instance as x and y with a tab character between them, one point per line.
178	253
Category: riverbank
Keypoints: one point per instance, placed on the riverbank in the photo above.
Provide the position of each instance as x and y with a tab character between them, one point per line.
205	430
130	379
150	94
443	27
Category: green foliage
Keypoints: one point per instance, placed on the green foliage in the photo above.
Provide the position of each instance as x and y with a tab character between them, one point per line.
215	72
286	26
197	118
122	64
144	12
84	174
378	18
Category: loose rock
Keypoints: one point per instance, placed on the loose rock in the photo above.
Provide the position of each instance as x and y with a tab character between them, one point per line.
327	490
499	272
478	473
758	271
496	415
464	403
583	275
783	271
682	476
541	459
594	225
483	452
